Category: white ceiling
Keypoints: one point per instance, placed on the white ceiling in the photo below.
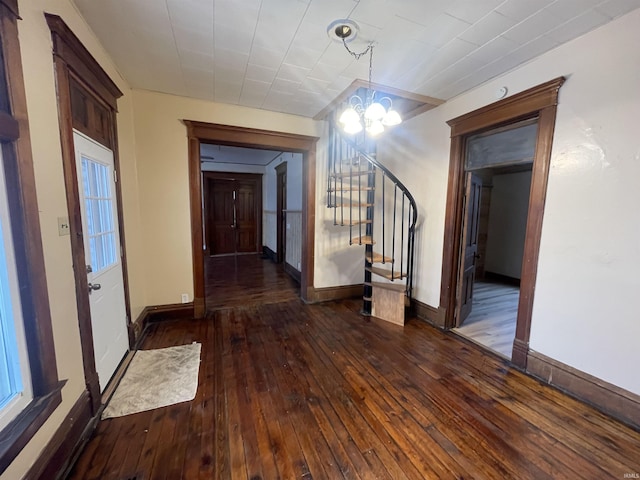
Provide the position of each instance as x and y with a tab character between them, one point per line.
236	155
276	54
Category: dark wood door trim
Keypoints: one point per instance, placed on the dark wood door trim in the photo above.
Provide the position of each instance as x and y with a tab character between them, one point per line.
541	102
201	132
281	205
75	68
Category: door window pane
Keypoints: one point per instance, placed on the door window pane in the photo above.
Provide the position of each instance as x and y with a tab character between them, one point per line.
98	197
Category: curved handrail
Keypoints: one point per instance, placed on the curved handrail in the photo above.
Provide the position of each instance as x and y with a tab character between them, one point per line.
405	191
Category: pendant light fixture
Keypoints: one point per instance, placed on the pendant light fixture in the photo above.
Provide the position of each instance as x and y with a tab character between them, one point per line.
370	113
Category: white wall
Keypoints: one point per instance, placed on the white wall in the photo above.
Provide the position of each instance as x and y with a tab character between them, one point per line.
583	315
507	223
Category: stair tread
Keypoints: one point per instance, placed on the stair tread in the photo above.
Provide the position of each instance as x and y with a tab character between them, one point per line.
354	222
354	204
347	188
397	287
379	258
352	173
364	240
383	272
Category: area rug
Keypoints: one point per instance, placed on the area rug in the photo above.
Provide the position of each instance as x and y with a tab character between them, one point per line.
156	378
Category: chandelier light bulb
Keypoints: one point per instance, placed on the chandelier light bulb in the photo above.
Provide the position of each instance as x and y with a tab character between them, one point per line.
391	118
349	116
374	112
353	127
375	128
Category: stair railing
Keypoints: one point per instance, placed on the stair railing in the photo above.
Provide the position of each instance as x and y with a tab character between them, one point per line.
347	179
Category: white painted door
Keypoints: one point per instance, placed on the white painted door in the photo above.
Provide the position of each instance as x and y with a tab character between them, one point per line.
96	180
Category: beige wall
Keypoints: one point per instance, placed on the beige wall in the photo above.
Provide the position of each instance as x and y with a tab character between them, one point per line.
161	149
42	108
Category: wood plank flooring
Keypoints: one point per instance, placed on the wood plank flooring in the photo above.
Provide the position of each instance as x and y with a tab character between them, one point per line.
492	322
289	390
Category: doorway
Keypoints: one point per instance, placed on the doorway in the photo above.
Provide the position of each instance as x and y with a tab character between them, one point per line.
538	103
493	265
233	219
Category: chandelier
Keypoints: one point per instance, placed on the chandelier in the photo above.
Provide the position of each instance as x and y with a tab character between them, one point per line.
369	113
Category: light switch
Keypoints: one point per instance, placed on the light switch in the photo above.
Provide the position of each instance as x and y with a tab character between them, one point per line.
63	226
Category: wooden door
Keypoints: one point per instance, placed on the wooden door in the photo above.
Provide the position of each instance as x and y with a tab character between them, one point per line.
222	226
246	216
281	212
233	207
470	228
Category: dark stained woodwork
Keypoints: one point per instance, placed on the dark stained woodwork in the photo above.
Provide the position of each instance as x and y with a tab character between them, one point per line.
66	443
198	132
537	102
87	100
281	214
221	231
233	212
290	390
25	224
470	230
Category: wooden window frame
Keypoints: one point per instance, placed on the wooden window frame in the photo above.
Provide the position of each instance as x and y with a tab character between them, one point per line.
538	102
25	223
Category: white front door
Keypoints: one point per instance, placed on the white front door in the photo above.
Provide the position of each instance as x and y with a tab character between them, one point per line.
94	164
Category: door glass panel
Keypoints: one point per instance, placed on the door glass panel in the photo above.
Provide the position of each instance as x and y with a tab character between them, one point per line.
99	212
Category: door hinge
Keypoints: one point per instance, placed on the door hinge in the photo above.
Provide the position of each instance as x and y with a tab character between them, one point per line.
115	176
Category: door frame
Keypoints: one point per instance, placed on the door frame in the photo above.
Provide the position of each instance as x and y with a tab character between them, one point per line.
281	204
257	177
541	102
203	132
76	68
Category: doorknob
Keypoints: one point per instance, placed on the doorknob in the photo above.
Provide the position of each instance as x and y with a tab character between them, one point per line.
94	286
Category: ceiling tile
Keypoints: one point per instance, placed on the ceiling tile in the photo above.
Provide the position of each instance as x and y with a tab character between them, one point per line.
533	27
293	72
518	10
260	73
443	29
568	9
578	26
471	11
617	8
489	27
496	48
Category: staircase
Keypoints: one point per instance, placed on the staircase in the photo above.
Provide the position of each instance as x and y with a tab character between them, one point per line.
379	213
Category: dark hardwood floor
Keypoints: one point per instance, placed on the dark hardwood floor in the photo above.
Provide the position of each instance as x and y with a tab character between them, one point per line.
289	390
237	280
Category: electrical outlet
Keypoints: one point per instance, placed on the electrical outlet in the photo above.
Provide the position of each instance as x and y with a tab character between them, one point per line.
185	298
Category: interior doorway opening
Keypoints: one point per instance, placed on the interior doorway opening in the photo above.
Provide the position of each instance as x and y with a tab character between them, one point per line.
492	310
243	201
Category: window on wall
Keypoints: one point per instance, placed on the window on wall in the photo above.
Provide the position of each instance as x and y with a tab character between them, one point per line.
29	386
15	376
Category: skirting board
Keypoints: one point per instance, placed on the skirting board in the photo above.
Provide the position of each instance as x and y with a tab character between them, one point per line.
158	313
292	272
430	314
317	295
610	399
266	251
67	442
